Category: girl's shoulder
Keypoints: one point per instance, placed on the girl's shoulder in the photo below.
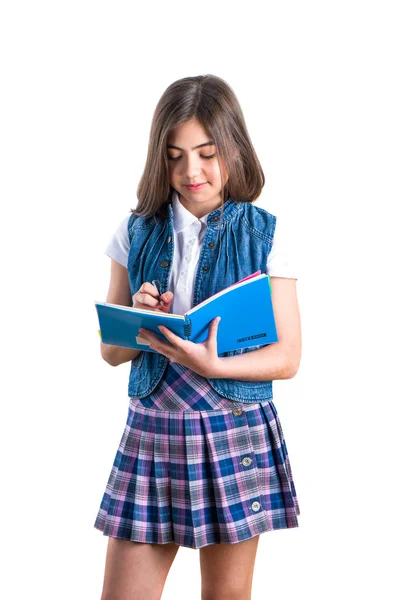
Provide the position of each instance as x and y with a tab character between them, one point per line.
118	246
136	223
120	242
278	229
259	219
279	226
257	209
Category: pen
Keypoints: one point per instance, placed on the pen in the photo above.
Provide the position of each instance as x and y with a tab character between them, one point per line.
157	285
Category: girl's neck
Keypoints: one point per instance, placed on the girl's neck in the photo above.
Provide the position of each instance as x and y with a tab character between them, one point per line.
197	209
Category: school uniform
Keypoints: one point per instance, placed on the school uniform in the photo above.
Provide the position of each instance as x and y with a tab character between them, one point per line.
201	460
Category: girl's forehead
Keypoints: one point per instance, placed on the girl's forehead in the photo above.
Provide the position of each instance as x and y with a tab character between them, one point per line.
190	130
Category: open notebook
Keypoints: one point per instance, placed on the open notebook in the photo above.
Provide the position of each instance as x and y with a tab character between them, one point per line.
245	308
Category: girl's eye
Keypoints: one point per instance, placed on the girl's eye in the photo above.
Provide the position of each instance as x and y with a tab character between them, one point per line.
201	156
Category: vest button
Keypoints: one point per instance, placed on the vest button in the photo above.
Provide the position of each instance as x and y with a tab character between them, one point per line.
165	263
211	245
205	269
215	219
169	239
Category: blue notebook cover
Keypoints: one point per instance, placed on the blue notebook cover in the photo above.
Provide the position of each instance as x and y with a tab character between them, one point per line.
245	308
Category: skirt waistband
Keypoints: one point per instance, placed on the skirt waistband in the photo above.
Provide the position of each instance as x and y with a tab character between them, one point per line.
181	389
225	406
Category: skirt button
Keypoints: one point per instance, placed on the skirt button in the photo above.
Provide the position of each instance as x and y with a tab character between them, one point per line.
237	411
255	506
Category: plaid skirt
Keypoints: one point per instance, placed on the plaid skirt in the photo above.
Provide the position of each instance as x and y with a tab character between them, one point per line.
196	469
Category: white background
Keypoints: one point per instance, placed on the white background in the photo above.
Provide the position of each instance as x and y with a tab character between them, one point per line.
319	86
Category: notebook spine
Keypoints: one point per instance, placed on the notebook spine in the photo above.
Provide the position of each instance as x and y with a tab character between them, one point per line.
187	328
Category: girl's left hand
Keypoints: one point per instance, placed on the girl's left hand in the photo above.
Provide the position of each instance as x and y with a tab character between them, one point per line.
201	358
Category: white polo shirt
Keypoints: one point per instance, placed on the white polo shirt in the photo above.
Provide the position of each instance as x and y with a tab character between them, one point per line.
188	238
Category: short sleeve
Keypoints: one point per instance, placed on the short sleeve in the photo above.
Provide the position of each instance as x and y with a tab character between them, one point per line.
118	246
283	258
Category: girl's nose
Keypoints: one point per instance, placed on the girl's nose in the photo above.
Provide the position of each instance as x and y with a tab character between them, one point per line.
192	166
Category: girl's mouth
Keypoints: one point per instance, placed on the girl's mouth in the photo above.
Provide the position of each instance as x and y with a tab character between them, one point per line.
197	186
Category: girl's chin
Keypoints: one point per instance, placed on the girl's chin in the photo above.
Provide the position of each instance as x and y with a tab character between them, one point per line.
204	193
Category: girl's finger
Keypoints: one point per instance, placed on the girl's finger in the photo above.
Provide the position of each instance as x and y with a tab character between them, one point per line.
213	330
167	297
171	337
155	341
145	299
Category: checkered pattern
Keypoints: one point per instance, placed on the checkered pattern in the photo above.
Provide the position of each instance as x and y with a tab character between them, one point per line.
198	469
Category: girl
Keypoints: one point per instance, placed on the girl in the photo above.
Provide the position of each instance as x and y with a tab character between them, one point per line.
202	462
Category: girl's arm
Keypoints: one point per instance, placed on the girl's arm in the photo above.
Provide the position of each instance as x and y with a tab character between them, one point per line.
119	292
280	360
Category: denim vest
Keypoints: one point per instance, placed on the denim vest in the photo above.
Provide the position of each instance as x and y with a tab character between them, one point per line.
231	250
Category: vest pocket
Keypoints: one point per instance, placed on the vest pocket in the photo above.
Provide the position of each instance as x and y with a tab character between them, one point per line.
138	361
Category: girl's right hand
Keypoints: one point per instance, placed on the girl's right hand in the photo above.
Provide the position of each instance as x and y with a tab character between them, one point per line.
147	298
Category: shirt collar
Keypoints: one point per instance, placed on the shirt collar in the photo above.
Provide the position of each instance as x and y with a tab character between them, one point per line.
183	218
231	209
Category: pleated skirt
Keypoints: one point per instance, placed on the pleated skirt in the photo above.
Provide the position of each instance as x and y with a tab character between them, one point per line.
196	469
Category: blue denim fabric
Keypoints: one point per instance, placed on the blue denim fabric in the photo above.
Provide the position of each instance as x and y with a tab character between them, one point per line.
232	249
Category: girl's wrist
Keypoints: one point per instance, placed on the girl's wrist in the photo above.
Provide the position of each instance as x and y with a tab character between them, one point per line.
215	371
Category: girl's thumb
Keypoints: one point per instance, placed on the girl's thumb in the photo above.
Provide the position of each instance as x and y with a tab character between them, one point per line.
216	321
167	297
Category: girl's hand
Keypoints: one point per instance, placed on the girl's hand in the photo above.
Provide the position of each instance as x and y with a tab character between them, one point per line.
147	298
201	358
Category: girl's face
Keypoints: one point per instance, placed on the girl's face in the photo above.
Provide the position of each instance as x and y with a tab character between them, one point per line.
193	168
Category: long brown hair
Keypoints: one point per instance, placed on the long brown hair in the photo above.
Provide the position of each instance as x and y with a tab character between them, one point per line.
213	103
